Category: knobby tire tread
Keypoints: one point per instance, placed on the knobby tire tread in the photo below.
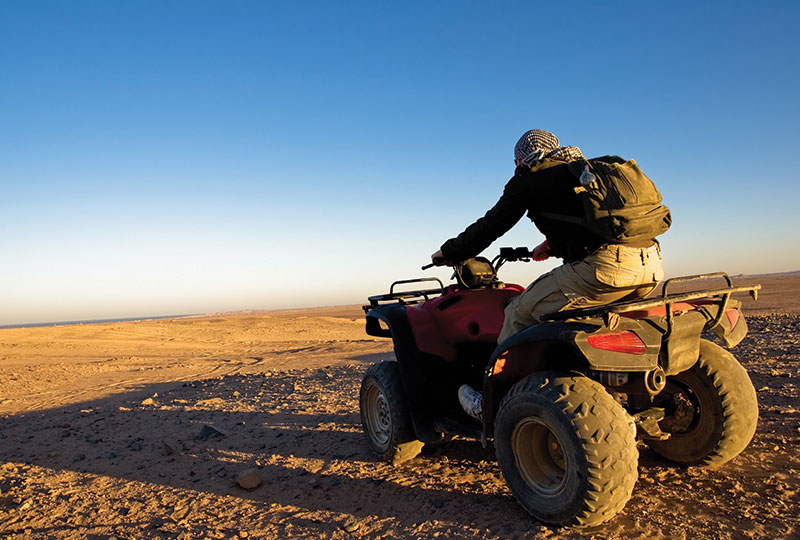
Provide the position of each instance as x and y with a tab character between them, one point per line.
739	406
607	438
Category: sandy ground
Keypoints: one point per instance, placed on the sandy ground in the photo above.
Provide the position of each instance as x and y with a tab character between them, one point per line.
140	430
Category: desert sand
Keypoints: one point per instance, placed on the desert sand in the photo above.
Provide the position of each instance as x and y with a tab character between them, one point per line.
147	429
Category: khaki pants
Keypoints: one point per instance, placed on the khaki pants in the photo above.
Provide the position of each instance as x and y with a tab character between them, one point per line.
613	272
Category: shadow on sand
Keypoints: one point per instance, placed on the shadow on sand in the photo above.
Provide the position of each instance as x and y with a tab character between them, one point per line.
299	429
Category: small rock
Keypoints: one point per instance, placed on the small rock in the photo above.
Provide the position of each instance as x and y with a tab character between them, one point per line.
350	525
179	513
211	431
249	479
136	444
168	450
148	401
209	402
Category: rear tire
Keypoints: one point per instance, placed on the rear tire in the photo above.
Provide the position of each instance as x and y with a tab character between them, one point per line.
712	410
385	415
567	449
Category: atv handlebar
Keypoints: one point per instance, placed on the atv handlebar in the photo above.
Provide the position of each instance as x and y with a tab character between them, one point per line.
507	254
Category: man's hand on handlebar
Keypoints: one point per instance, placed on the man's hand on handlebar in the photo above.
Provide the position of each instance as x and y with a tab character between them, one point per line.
439	260
541	252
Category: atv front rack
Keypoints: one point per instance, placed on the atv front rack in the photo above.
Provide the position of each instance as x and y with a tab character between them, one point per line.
405	297
611	311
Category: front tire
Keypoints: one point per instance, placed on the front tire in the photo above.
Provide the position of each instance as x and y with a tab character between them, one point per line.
385	415
567	449
712	410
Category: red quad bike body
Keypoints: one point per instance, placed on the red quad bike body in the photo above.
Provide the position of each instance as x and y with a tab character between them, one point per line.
564	401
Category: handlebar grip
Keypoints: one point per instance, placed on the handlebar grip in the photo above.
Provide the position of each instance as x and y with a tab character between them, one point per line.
431	265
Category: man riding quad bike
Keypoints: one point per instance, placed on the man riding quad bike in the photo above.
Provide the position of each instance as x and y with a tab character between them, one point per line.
564	400
575	367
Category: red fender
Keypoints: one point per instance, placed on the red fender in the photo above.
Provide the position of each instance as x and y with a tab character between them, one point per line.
459	316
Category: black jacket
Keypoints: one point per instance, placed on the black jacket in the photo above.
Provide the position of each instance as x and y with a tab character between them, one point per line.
548	186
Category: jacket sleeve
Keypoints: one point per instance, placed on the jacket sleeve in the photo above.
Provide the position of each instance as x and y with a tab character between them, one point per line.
497	221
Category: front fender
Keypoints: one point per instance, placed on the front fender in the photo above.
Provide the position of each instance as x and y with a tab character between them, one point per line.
411	362
374	318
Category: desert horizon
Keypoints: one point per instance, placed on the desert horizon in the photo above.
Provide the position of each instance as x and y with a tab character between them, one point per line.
333	308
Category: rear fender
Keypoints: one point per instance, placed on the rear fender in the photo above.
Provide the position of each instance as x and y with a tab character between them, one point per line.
732	326
563	346
546	346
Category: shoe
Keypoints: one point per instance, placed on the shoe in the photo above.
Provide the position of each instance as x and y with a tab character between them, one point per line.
471	401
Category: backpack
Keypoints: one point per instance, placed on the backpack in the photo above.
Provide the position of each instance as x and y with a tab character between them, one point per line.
622	205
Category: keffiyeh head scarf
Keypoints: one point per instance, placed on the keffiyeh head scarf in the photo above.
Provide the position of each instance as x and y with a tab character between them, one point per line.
538	144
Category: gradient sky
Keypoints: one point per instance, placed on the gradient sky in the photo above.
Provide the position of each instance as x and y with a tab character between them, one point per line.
192	157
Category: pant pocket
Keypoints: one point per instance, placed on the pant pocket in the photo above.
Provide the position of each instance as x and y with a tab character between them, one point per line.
542	297
616	275
657	271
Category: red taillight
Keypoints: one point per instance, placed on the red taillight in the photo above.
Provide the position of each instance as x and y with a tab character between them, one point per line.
625	342
733	316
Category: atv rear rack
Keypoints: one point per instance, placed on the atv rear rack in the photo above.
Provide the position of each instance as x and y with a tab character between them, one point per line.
611	311
405	297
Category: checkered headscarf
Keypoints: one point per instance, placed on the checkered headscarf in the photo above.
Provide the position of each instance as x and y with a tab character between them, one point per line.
538	144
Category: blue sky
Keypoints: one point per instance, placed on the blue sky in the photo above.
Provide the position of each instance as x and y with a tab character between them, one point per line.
192	157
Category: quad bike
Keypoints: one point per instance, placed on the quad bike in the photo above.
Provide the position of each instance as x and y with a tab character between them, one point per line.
565	400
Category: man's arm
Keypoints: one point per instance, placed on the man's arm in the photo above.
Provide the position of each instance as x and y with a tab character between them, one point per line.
497	221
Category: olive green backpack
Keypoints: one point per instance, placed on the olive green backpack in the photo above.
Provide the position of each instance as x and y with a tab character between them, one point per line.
622	205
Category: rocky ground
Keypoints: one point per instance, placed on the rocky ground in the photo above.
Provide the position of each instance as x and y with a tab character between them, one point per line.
150	429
